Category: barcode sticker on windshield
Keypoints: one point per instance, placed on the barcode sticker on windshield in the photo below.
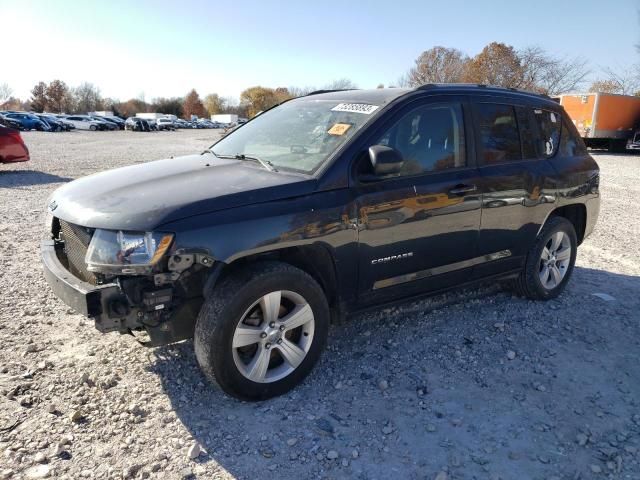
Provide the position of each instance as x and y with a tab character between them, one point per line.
355	108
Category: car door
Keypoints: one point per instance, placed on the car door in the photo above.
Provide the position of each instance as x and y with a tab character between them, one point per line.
518	186
418	230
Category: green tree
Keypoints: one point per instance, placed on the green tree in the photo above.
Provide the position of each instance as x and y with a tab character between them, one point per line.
171	106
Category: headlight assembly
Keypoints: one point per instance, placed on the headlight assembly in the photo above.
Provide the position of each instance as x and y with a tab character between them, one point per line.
126	253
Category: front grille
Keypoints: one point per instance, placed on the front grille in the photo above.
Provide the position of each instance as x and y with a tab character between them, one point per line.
76	242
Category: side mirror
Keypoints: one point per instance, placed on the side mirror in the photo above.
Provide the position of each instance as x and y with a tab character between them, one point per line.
385	160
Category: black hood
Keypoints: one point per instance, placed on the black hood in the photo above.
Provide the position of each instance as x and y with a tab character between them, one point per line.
145	196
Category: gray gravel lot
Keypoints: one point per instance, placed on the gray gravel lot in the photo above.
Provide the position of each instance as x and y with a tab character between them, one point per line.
473	384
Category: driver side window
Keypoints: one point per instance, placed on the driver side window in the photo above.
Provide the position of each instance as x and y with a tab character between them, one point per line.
430	138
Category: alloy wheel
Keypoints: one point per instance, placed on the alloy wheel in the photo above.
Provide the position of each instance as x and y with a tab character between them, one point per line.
555	260
273	336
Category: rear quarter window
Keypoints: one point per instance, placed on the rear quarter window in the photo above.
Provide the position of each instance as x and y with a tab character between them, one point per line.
571	145
549	125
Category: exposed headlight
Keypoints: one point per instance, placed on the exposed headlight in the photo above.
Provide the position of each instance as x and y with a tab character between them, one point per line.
126	253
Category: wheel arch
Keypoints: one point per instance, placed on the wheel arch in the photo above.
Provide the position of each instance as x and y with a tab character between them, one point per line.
576	213
314	259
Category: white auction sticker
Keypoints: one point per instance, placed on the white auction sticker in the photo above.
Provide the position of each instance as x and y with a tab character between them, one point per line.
355	108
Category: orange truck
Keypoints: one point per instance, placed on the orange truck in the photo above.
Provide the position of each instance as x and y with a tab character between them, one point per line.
604	120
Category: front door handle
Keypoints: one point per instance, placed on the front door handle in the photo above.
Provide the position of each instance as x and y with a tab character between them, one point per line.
461	189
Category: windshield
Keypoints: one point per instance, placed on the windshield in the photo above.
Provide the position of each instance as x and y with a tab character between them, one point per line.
299	135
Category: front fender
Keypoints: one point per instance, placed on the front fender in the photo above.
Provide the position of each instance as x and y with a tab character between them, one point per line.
234	233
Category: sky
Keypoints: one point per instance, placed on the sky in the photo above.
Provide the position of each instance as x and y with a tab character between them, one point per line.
164	48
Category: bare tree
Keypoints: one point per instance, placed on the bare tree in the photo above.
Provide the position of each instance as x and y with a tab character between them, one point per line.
300	91
87	98
545	73
604	86
341	84
58	96
213	103
437	65
39	97
625	81
5	92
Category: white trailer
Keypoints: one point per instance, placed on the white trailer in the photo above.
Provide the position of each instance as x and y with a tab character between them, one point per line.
225	118
102	113
151	116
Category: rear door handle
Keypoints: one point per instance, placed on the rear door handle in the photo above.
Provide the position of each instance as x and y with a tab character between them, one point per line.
460	189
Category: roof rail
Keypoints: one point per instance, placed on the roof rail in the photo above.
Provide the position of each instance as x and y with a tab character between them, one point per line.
429	86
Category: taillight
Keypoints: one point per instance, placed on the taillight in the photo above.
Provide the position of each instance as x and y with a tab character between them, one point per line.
15	134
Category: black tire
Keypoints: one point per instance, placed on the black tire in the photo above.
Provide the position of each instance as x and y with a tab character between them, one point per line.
528	284
93	128
224	309
617	146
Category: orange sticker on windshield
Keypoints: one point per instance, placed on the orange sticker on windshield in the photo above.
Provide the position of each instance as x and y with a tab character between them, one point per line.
339	129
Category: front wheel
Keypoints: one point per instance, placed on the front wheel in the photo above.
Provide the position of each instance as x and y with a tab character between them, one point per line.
93	128
550	261
261	330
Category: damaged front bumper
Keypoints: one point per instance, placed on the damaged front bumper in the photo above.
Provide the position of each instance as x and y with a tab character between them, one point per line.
113	309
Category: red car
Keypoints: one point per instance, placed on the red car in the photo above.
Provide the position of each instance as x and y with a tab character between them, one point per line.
12	148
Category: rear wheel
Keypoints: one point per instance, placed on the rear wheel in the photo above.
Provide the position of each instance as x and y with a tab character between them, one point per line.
262	330
550	261
92	128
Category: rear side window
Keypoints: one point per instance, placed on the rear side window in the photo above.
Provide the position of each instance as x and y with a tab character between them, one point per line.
499	134
527	134
549	125
571	144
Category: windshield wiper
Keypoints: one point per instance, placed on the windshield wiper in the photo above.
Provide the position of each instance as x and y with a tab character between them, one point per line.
265	163
241	156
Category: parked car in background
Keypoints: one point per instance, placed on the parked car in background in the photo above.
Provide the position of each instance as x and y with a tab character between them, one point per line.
253	246
108	123
12	147
63	119
10	122
137	124
152	124
119	121
83	122
29	121
66	124
54	124
165	124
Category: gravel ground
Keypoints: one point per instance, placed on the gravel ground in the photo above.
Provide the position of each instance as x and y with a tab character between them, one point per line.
473	384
